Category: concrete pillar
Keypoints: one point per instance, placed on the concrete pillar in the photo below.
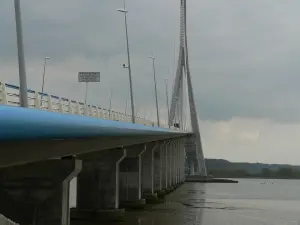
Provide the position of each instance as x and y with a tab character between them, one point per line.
131	177
165	165
171	153
174	147
98	185
192	168
174	162
148	169
182	160
170	163
159	162
177	161
38	193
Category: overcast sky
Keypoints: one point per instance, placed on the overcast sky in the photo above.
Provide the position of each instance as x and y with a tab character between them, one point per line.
244	58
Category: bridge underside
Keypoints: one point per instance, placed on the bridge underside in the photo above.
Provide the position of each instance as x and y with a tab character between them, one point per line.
113	173
20	152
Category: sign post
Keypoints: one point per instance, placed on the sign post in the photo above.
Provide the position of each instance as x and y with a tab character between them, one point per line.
88	77
86	92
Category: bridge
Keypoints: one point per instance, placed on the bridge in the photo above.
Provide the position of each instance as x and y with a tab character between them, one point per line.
46	141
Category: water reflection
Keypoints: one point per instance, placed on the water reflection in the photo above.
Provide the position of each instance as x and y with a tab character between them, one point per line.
184	206
246	203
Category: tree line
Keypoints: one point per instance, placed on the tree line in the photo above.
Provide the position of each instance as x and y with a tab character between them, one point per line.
282	173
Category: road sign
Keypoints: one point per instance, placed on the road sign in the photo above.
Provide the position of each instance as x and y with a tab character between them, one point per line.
89	77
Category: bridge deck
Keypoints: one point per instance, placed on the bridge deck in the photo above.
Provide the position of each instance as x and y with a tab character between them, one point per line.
22	123
54	127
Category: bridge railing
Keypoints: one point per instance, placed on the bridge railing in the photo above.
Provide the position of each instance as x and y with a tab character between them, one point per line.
9	95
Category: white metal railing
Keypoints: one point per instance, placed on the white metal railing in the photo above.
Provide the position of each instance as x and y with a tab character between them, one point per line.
9	95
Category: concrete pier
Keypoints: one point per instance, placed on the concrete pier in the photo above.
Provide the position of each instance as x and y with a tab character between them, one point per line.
182	160
152	173
174	169
166	166
38	193
191	164
179	162
131	177
98	186
173	163
148	162
170	163
159	175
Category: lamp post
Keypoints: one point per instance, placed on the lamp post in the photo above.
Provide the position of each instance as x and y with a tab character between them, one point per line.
128	66
21	58
126	108
110	99
167	99
155	88
44	72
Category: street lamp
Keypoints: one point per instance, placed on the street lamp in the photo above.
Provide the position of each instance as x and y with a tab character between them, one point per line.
128	58
167	99
110	99
153	64
44	73
21	58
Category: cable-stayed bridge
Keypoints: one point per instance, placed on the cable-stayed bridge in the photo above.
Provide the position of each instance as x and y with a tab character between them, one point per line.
120	160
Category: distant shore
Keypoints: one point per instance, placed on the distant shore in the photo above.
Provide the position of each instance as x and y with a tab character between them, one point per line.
265	173
263	178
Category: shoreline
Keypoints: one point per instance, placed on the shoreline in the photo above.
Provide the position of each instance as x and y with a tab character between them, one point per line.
262	178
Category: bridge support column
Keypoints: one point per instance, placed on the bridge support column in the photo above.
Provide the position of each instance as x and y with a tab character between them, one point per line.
182	161
191	167
169	164
131	177
165	166
148	169
149	164
173	158
159	169
38	193
192	158
176	159
98	186
162	162
177	164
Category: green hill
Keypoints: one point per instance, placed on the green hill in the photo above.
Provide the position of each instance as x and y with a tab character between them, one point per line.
225	168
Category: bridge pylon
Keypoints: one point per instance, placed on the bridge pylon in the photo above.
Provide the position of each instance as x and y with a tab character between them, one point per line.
194	151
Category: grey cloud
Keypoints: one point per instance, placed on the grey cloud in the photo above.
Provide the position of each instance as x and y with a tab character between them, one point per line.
247	63
243	55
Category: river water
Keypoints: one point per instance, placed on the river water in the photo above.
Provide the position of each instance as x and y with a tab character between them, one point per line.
250	202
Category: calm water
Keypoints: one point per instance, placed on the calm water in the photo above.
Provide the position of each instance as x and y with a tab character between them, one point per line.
251	202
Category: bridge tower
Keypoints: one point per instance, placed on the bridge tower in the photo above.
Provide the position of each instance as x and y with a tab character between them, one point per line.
193	146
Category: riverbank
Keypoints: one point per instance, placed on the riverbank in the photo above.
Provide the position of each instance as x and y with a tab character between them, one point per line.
200	179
